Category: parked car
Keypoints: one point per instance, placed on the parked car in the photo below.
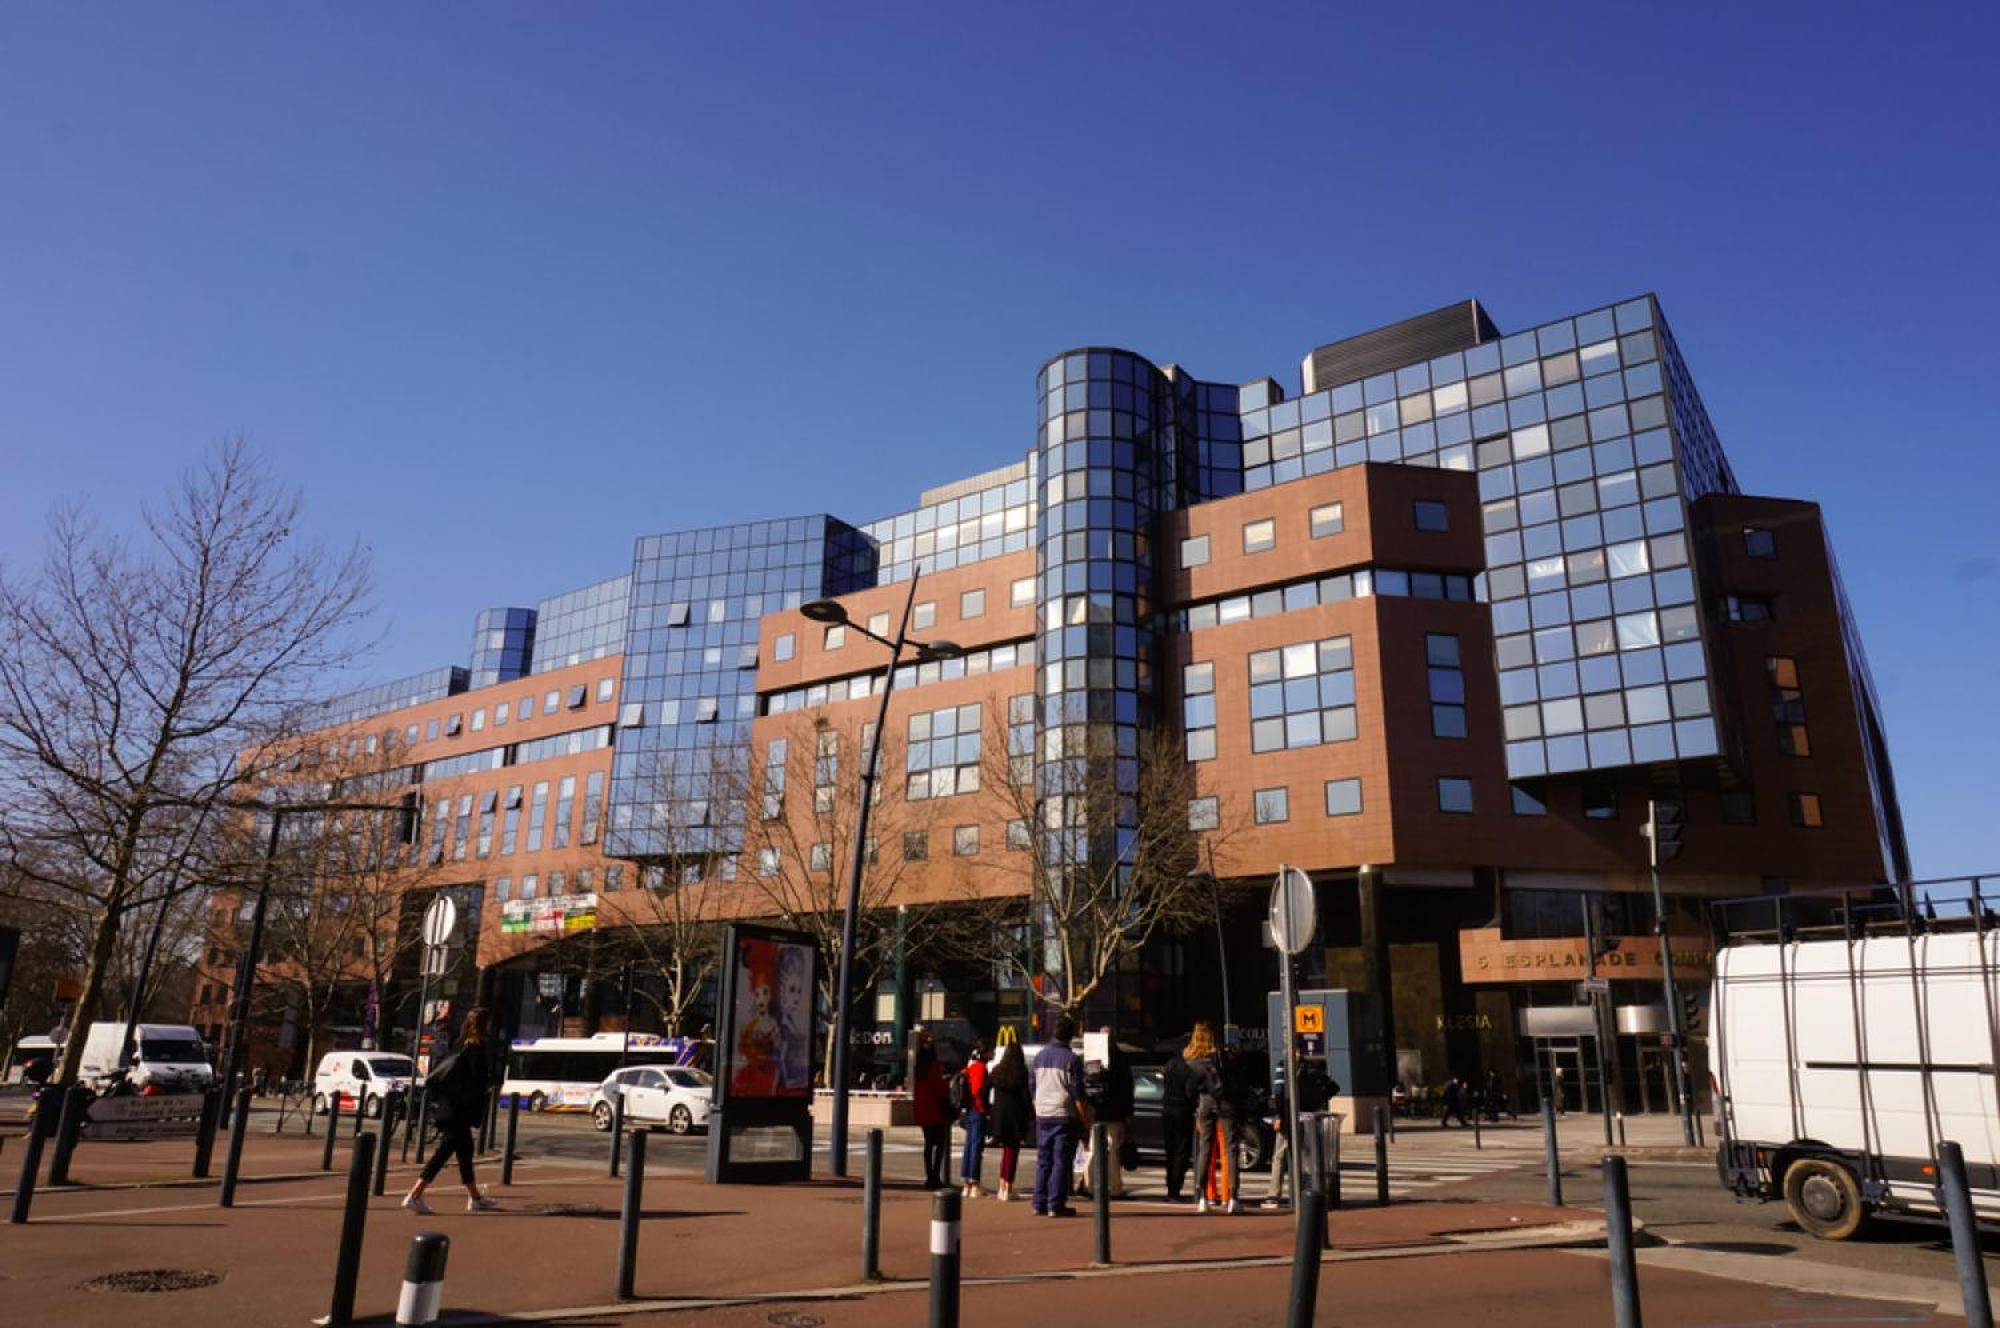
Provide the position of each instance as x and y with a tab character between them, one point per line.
676	1096
364	1077
1145	1136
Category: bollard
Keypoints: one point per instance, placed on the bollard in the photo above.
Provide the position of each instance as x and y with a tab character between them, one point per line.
617	1127
1551	1155
391	1107
1618	1235
871	1211
423	1278
1478	1110
332	1131
69	1126
1100	1192
232	1161
353	1225
1620	1118
944	1258
628	1216
1305	1261
1381	1162
507	1154
490	1122
39	1130
1329	1152
1957	1199
360	1111
204	1135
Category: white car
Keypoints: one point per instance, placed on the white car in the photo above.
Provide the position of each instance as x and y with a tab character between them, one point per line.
366	1077
675	1096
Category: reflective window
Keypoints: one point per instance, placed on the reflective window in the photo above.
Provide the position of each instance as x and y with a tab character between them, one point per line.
1302	695
1454	795
1804	810
1759	543
1194	552
1021	592
1528	800
972	604
1260	535
922	616
916	845
1343	797
783	647
835	637
965	841
944	752
1326	520
1272	805
1431	515
1204	814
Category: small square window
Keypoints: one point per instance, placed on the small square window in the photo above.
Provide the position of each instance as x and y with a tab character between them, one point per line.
1448	721
1270	806
632	715
1804	809
1021	592
551	702
578	695
1204	814
820	858
525	710
784	646
1194	552
835	638
1759	543
1528	801
1431	515
767	862
606	688
916	845
1327	520
454	725
1017	836
479	719
922	616
972	604
1343	797
965	841
878	623
1260	535
1455	795
500	714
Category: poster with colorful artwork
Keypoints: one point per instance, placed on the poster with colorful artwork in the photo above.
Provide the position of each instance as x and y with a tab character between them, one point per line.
770	1042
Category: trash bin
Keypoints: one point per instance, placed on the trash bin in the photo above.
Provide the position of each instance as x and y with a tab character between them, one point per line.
1319	1152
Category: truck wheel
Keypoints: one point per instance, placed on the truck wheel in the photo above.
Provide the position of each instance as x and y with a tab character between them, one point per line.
1824	1198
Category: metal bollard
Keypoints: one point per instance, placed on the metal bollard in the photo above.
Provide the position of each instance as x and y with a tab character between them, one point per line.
617	1127
1329	1154
392	1107
944	1258
353	1226
332	1131
1100	1192
423	1279
490	1123
507	1154
1478	1110
1618	1235
629	1215
1957	1199
871	1210
232	1161
1305	1261
360	1112
39	1130
1620	1118
1551	1154
1381	1162
204	1135
69	1127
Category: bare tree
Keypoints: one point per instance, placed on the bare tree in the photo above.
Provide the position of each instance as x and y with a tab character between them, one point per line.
133	673
1106	851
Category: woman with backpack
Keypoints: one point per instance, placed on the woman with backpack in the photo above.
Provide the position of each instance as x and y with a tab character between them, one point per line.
457	1093
971	1098
928	1105
1010	1116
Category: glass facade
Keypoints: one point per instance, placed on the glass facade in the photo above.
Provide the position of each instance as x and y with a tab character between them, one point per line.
581	624
503	645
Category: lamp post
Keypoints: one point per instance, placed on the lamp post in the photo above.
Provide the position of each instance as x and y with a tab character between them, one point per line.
833	613
1221	950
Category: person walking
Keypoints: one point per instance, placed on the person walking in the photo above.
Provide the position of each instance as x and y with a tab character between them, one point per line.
1454	1104
1113	1106
1012	1111
456	1090
1056	1081
972	1095
1213	1117
1177	1124
931	1109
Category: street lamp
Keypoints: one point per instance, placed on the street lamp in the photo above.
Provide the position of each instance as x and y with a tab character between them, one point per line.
1221	950
833	613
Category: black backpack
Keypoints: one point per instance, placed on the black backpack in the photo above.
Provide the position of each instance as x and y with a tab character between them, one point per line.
960	1092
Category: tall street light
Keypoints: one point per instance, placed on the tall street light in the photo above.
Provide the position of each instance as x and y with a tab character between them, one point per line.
833	613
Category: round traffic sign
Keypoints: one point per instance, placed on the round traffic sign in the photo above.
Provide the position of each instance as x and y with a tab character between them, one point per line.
440	920
1294	911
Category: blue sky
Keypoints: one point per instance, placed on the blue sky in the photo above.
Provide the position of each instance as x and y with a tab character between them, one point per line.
505	285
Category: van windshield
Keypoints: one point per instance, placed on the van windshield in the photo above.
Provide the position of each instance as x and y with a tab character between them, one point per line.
392	1067
172	1051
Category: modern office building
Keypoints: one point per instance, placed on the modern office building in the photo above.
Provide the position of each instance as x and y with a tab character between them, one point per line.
1440	629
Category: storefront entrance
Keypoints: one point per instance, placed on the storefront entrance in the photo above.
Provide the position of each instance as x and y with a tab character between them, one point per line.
1566	1072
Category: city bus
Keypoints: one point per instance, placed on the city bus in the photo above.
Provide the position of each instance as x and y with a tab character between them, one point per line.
559	1073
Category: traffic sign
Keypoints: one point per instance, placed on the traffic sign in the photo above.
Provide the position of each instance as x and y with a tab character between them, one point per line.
440	920
1595	986
1294	912
1309	1018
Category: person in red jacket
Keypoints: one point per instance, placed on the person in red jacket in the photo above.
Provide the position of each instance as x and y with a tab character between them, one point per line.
974	1098
932	1109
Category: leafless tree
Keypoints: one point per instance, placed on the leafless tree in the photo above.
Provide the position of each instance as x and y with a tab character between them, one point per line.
1105	855
132	675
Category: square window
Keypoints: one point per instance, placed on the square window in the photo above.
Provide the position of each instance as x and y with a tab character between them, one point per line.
1327	520
500	714
922	616
1441	651
1759	543
1804	810
1455	795
1017	837
965	841
1201	745
878	623
1431	515
835	638
1260	535
783	648
1448	721
916	845
577	696
632	715
551	702
1194	552
1198	679
972	604
1272	806
1204	814
1343	797
606	688
453	726
1021	592
1528	802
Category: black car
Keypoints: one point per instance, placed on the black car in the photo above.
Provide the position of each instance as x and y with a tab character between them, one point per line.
1145	1137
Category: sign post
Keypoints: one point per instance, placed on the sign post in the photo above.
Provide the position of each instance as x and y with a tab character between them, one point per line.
440	920
1294	919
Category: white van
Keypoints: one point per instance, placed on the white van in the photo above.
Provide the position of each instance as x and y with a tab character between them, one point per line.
166	1058
366	1077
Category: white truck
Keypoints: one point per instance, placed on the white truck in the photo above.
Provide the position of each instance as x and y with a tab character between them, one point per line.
1841	1065
166	1058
